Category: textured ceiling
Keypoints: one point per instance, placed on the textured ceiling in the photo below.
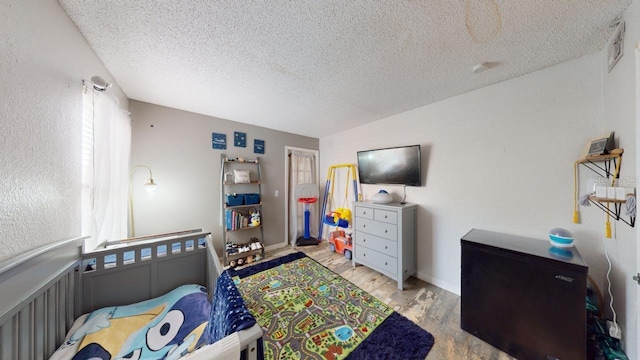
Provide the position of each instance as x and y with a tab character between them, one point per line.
318	67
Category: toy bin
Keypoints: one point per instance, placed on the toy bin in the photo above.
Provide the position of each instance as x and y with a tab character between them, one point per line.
234	199
250	199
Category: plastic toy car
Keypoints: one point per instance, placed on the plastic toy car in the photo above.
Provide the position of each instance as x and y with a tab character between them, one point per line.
341	243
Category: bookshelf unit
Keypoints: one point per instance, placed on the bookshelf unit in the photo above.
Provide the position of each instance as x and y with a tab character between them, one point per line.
238	201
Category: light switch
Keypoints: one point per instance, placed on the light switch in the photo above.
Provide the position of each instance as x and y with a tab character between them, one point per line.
276	193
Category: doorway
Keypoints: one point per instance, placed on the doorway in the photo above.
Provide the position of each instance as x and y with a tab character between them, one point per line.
302	167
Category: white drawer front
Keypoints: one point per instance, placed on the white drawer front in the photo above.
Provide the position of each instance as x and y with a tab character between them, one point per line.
390	217
387	231
364	212
377	243
376	260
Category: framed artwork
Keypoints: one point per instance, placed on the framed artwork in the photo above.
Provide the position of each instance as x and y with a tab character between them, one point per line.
218	141
258	146
239	139
616	46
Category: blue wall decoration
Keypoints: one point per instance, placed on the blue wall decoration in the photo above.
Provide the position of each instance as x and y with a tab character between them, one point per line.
258	146
219	141
239	139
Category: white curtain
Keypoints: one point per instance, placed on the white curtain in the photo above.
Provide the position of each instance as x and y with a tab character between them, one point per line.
105	174
302	170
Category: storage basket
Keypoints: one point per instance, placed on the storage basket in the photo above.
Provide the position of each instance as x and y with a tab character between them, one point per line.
235	199
250	199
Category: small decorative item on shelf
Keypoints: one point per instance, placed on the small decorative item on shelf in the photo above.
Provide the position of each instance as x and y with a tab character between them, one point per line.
255	218
231	248
255	244
241	176
382	197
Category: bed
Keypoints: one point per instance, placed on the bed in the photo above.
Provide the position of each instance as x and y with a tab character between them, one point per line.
44	291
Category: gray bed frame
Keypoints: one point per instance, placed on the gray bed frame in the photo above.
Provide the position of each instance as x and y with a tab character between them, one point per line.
43	291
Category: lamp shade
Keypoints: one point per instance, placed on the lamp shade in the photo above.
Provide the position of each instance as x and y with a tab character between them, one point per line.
150	186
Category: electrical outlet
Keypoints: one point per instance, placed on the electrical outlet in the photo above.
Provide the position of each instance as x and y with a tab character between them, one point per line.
614	330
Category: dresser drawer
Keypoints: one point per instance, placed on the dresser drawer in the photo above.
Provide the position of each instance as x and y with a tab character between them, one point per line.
378	261
377	243
387	231
364	212
390	217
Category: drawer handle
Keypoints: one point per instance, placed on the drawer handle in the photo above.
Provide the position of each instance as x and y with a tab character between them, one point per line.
364	225
385	231
385	216
364	240
364	254
385	263
385	246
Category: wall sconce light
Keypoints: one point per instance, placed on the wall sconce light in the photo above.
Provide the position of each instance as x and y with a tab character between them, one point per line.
150	186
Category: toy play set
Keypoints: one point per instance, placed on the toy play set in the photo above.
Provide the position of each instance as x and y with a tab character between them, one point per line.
339	240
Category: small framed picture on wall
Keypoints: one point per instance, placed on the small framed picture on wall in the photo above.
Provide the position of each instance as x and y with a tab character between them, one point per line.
258	146
219	141
239	139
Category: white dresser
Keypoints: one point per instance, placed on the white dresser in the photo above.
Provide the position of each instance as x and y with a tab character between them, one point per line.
385	239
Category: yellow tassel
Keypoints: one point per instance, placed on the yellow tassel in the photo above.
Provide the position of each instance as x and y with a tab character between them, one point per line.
607	230
576	217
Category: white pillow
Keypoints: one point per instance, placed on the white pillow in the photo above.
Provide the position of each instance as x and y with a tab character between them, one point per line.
241	176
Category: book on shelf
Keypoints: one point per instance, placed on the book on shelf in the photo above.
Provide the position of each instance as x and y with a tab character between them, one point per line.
236	220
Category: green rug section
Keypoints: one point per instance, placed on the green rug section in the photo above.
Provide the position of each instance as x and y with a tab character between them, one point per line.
309	312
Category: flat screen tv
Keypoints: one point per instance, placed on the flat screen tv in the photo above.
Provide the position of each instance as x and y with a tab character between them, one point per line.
397	165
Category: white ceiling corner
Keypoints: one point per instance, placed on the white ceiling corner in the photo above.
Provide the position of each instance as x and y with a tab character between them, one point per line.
315	68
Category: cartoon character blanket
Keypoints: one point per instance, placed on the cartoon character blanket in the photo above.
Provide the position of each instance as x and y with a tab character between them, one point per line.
166	327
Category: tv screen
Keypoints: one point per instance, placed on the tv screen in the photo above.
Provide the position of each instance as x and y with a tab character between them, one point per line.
398	165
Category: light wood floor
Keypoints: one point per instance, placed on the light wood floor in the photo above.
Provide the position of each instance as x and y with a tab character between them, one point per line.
434	309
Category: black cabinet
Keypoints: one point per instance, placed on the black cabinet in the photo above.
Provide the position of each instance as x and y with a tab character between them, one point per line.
524	296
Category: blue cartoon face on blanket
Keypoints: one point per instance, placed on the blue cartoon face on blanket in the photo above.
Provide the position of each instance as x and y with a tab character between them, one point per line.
165	327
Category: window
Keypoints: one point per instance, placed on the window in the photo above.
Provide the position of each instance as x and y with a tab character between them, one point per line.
106	147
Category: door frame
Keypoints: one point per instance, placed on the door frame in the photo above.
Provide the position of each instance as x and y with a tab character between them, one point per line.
637	120
287	151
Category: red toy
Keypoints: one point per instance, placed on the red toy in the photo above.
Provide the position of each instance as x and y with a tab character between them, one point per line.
339	242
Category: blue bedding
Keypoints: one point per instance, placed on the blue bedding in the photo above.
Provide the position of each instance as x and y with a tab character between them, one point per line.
228	313
166	327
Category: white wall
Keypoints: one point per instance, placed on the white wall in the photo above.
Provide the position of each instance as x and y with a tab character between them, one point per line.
176	145
501	158
43	59
620	106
